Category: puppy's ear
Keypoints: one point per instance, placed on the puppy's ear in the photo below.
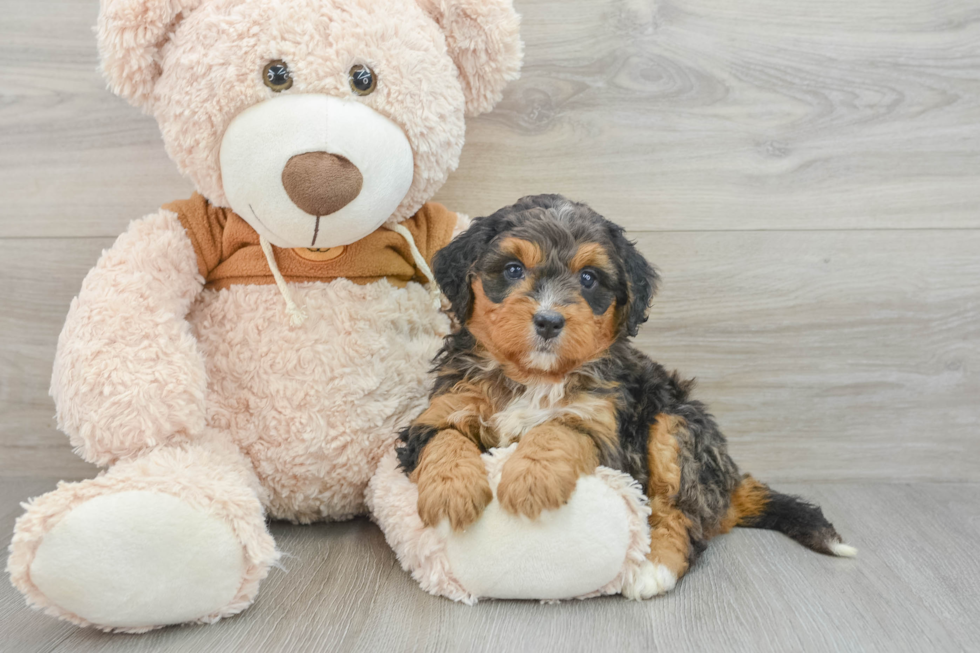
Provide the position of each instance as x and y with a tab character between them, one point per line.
452	265
131	34
641	280
483	38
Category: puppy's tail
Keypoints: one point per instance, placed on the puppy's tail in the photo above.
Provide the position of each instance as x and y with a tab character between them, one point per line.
755	505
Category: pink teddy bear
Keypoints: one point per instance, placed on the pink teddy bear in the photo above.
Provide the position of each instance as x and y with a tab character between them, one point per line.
253	351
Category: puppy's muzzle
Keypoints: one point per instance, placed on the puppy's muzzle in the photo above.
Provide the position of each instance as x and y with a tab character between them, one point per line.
548	324
320	183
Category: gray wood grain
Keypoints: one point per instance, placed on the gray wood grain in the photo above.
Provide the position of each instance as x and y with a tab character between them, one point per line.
805	176
38	283
670	114
824	355
914	587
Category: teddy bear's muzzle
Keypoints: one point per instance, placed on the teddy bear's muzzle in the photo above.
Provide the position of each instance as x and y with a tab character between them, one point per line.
313	170
320	183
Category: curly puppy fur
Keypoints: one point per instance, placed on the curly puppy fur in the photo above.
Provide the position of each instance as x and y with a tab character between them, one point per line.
548	294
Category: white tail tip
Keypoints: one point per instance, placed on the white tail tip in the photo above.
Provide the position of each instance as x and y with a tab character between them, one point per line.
842	550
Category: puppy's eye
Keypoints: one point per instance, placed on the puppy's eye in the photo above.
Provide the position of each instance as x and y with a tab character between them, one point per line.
514	272
363	81
588	279
277	76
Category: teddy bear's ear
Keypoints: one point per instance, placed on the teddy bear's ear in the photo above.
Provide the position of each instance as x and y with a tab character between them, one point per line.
483	37
131	34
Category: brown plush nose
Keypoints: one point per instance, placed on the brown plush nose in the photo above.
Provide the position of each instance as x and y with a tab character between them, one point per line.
321	183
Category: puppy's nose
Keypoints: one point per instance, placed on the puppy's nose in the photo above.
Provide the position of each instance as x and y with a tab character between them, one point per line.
548	324
321	183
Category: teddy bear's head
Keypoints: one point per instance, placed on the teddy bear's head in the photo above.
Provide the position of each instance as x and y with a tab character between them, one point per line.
315	120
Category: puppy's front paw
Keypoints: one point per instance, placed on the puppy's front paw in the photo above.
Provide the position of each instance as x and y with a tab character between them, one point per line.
461	496
528	486
650	580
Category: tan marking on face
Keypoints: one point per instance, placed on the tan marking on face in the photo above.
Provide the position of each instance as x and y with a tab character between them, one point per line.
669	543
505	329
452	481
590	255
525	251
543	472
586	336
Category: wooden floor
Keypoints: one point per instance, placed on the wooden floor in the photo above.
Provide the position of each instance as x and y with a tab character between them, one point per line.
805	175
914	587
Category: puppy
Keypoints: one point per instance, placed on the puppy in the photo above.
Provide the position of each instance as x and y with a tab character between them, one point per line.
548	294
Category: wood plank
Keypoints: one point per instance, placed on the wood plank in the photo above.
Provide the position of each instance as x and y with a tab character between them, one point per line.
39	281
824	355
769	114
828	355
74	159
914	586
23	629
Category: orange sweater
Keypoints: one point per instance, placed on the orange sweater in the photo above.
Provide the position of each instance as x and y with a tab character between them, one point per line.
228	249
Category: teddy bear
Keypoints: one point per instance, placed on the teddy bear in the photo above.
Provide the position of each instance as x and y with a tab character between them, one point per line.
253	351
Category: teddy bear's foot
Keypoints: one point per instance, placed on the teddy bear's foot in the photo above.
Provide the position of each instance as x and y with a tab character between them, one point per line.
151	543
139	558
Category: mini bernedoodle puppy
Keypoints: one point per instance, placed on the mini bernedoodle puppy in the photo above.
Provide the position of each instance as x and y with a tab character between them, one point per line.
548	294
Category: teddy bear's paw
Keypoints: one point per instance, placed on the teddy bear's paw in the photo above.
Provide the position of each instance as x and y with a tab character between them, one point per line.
138	559
650	580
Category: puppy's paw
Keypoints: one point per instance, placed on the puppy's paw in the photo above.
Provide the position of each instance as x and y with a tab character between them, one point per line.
650	580
461	496
528	487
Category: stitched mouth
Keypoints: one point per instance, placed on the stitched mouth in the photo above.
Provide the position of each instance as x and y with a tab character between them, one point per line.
263	225
316	230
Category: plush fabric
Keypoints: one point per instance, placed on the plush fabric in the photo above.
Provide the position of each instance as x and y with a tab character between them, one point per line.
228	250
214	397
128	374
108	543
260	143
434	64
303	414
209	477
594	545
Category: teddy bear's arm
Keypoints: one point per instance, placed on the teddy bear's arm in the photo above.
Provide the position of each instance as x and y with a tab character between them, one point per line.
128	374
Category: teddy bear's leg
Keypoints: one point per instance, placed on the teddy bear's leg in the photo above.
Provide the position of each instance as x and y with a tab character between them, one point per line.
176	535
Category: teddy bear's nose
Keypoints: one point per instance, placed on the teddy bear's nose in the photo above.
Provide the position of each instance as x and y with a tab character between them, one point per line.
321	183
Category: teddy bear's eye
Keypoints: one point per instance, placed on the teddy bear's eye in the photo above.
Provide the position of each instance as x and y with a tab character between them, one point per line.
363	81
277	76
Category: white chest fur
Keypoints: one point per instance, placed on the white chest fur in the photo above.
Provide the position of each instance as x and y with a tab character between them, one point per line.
535	405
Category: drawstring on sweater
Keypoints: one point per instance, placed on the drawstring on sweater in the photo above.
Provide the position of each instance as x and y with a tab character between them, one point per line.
420	263
297	316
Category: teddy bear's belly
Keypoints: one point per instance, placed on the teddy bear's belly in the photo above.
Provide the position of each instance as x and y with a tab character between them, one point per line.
314	407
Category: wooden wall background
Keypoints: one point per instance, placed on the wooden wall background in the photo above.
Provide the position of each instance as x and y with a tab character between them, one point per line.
806	175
